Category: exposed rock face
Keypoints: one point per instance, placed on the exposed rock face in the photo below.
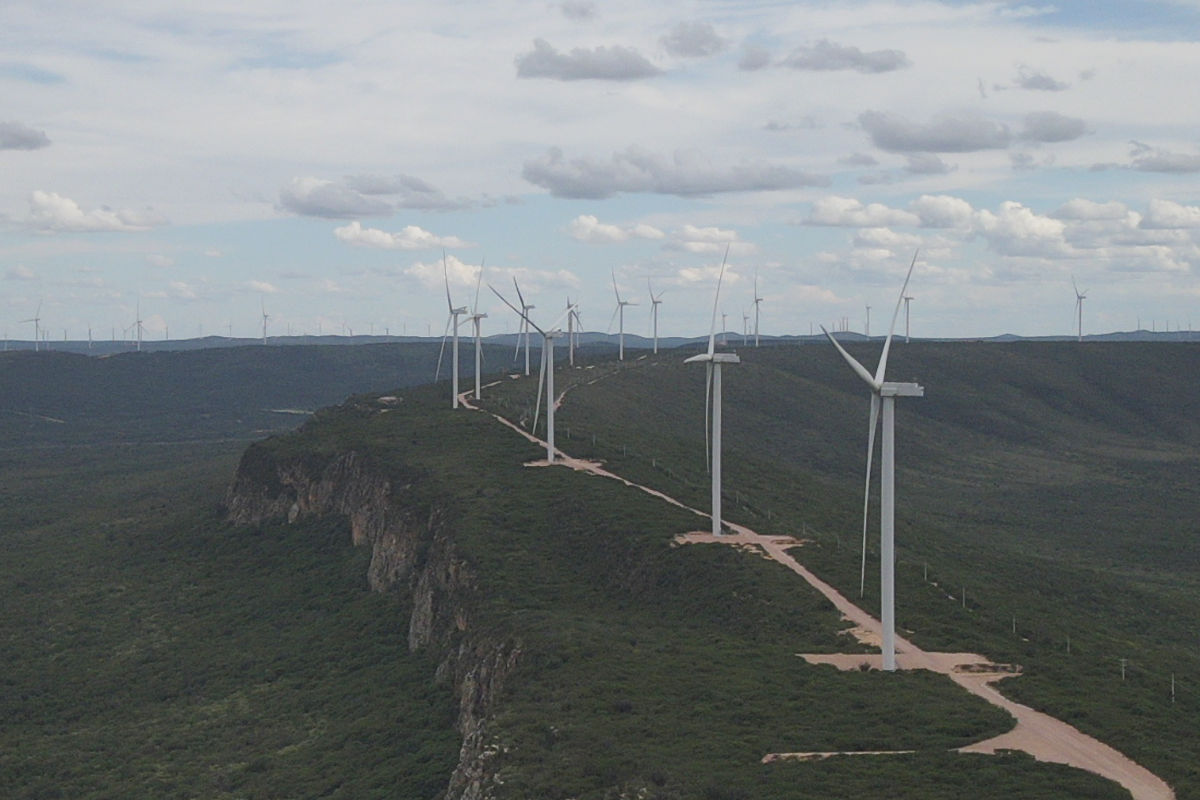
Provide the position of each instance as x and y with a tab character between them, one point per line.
412	551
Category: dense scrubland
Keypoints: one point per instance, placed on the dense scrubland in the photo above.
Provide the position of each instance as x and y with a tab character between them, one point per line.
153	649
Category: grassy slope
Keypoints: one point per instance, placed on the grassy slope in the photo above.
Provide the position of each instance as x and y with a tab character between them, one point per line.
659	669
150	651
1054	482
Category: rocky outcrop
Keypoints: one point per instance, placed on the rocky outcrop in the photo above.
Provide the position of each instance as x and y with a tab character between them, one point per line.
412	551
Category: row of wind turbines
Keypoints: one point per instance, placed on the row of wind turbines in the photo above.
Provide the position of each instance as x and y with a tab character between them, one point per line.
883	394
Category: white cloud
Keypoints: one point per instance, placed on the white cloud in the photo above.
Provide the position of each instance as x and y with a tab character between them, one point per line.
16	136
262	287
411	237
1017	231
826	55
1155	159
692	40
710	239
20	273
942	211
159	260
49	211
615	63
962	132
1169	214
456	271
315	197
1030	78
849	212
587	228
686	173
1083	209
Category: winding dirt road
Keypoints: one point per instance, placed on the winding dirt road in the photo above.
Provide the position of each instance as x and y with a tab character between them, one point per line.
1041	735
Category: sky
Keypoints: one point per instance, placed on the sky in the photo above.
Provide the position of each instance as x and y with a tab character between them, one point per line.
199	164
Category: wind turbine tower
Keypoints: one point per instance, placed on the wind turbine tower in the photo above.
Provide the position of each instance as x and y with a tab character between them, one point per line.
757	301
451	322
620	313
524	331
883	396
475	318
573	325
265	318
713	361
655	302
138	324
868	326
36	319
546	373
1079	298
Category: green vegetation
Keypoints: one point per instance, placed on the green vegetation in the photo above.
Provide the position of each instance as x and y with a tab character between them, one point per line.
152	650
1054	482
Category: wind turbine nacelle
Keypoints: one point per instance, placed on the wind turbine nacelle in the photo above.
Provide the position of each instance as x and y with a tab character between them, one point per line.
717	358
901	390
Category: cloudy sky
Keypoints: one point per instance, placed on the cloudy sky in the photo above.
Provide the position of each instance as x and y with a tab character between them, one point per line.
315	158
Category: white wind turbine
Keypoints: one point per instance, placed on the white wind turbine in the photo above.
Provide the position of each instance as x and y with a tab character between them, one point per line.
36	319
883	395
573	323
451	321
712	390
655	302
524	332
619	311
907	300
757	301
745	326
1079	298
265	319
475	319
545	373
138	324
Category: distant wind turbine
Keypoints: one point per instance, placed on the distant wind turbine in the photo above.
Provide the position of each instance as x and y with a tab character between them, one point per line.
475	319
619	312
868	325
138	324
712	389
36	319
546	372
655	302
524	331
907	299
451	322
883	394
757	301
1079	298
573	325
265	318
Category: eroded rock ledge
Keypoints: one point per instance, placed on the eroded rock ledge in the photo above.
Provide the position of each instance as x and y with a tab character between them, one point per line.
413	552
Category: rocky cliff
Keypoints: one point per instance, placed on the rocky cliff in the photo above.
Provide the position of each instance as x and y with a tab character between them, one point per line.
412	551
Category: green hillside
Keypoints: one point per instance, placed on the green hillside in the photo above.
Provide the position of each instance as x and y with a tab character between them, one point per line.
191	658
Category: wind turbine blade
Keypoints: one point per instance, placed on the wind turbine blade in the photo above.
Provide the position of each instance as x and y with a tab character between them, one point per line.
520	313
612	319
854	365
708	367
712	328
881	370
442	350
478	281
615	291
446	275
862	579
541	379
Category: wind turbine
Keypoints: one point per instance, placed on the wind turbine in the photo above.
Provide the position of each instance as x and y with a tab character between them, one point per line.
546	372
712	389
524	332
572	330
475	318
36	319
757	300
265	318
724	328
883	395
1079	298
745	326
451	321
907	299
655	302
620	312
138	323
868	326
